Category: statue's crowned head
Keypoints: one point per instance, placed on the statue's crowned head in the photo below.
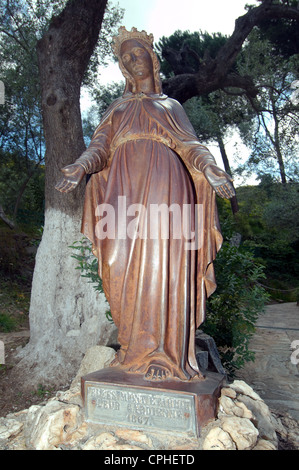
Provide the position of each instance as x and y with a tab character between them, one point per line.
146	41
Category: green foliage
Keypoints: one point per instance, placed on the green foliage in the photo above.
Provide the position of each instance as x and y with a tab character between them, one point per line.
272	135
112	19
15	301
103	96
283	34
88	265
239	299
22	188
268	221
218	114
22	144
7	323
267	123
12	252
235	306
43	392
195	47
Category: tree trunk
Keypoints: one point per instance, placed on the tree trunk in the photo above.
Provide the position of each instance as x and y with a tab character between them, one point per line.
66	314
274	139
233	200
5	219
276	143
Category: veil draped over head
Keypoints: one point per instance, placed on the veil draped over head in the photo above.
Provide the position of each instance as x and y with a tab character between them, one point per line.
145	42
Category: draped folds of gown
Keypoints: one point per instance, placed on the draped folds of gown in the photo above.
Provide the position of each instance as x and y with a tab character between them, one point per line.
155	284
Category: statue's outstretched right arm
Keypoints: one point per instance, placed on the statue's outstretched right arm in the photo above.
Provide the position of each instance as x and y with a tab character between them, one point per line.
93	160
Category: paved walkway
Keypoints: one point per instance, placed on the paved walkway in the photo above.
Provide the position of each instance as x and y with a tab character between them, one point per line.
273	374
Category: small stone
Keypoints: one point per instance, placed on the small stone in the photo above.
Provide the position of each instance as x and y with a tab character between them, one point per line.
134	436
241	430
262	417
228	392
293	437
241	387
72	395
9	428
279	427
246	413
227	406
51	425
190	446
102	441
233	408
262	444
96	358
218	439
175	442
78	435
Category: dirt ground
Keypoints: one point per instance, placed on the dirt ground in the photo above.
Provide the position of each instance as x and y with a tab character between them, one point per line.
17	259
13	396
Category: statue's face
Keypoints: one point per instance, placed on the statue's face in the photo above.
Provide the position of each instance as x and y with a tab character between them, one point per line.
136	60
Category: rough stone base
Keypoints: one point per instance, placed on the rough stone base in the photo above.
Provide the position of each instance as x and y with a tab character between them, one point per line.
243	422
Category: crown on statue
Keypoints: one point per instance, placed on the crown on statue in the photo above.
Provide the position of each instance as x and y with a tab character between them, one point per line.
124	35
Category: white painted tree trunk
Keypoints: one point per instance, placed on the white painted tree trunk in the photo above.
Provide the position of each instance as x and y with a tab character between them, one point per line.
67	315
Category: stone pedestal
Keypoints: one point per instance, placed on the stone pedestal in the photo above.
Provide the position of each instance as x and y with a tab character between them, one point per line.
114	397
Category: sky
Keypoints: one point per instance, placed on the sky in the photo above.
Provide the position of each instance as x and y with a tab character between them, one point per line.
164	17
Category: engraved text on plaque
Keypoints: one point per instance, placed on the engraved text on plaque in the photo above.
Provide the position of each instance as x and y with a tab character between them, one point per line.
140	408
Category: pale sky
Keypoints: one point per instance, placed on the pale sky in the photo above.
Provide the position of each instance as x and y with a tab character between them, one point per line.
164	17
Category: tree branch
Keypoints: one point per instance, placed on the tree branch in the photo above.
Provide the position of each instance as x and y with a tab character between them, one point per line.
6	219
15	39
244	83
213	74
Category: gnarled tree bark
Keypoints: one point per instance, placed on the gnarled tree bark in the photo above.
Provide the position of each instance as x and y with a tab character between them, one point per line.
66	313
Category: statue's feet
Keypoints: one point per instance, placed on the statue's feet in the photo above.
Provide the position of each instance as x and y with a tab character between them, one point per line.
157	373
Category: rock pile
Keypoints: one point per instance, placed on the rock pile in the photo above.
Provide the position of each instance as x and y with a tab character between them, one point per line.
244	422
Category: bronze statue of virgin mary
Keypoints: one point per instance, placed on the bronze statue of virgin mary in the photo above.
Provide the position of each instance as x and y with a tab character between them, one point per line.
146	153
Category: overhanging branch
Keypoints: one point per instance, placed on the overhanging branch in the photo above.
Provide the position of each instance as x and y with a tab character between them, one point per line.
214	74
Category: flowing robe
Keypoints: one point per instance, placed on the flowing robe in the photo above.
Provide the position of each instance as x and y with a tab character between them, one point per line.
155	284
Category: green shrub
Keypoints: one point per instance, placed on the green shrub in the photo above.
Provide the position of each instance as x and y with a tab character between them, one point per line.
7	323
88	265
234	307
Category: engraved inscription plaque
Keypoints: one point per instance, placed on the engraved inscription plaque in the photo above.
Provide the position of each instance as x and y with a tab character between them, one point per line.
140	408
113	397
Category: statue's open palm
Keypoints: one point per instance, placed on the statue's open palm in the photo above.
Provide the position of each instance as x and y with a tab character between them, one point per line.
73	175
220	181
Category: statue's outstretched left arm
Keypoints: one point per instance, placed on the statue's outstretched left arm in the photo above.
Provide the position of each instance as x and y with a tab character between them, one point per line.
197	156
